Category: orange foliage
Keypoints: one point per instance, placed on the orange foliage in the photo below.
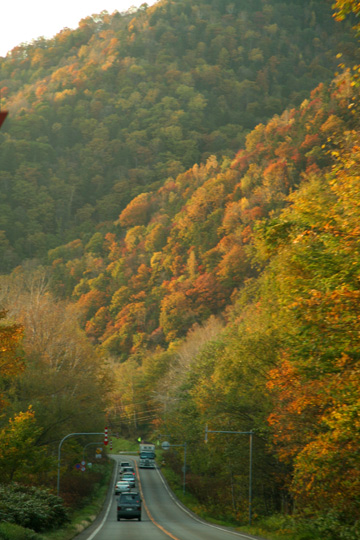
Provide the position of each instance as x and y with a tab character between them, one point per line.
136	212
11	362
91	302
298	405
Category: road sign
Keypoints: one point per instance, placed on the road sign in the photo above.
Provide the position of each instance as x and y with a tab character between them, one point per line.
165	445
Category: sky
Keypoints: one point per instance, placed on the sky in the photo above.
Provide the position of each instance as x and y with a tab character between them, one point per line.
25	20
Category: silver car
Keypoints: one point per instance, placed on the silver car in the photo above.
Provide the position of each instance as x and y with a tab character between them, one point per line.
121	486
130	478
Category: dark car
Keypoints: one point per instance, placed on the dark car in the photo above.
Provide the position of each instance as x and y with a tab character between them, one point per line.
129	506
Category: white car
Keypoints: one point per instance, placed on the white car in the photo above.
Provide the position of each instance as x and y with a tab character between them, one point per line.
130	478
121	486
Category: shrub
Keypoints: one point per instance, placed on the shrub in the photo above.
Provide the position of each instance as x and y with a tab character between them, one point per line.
329	526
10	531
31	507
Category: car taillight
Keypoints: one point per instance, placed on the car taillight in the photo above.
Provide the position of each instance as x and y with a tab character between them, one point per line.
119	508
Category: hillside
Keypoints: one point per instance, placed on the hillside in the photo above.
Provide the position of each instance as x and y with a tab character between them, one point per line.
114	108
232	301
177	254
193	205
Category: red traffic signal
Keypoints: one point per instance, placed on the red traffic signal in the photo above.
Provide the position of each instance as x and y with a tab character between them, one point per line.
3	115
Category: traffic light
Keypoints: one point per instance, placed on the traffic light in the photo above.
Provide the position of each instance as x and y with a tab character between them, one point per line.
106	436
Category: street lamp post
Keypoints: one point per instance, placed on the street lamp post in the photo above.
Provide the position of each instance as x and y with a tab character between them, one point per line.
251	433
165	446
59	454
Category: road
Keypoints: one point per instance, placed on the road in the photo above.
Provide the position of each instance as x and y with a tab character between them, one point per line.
163	516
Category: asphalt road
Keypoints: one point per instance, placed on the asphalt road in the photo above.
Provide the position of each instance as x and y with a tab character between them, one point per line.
163	516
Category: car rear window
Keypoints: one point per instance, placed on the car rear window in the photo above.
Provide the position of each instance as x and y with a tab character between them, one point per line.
129	497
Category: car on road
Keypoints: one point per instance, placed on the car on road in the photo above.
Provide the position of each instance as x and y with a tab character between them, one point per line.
124	464
129	506
130	478
122	486
127	470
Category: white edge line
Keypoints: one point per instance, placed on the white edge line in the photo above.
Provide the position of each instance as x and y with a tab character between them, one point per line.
108	508
200	520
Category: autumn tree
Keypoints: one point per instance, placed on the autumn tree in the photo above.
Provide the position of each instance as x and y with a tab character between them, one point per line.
21	457
344	8
315	383
57	351
11	360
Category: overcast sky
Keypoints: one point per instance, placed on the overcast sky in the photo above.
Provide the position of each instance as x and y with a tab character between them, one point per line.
25	20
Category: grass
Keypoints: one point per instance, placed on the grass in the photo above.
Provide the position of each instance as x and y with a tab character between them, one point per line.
10	531
122	445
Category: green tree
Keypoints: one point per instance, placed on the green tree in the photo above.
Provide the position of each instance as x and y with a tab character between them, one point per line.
21	457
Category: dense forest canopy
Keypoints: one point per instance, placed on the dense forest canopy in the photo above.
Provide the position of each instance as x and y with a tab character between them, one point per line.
112	109
185	181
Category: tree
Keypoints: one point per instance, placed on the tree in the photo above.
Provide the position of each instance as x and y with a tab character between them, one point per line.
20	455
11	361
176	315
315	385
344	8
56	351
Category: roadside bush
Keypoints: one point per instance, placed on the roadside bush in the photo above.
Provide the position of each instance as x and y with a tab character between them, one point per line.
31	507
329	526
323	527
10	531
76	488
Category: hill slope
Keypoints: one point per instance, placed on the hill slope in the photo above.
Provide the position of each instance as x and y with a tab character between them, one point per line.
114	108
177	254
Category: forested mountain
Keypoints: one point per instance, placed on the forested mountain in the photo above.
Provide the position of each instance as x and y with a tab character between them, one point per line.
186	180
232	299
103	113
181	251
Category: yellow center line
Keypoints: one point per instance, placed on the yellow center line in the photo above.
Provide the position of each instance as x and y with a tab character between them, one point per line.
147	509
